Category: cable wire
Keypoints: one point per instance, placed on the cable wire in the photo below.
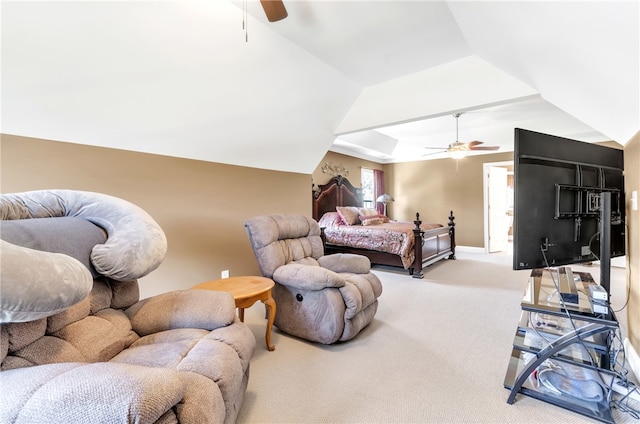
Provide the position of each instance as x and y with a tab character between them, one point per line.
614	353
564	307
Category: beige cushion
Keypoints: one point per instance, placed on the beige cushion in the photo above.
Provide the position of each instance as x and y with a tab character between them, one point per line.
368	212
204	309
349	214
280	239
346	262
373	221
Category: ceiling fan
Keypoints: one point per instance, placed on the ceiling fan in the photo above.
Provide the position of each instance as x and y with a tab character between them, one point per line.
458	150
274	9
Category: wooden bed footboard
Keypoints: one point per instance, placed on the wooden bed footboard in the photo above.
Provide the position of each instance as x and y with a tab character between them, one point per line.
432	245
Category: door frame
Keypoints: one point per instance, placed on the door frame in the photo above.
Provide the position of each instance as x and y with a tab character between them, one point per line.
485	194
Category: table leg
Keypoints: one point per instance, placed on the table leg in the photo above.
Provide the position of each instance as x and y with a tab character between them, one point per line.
241	314
271	312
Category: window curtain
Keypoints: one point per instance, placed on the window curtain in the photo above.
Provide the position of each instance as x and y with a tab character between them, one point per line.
378	188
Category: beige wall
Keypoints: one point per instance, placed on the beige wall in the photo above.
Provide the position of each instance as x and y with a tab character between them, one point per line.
632	182
352	164
435	187
201	206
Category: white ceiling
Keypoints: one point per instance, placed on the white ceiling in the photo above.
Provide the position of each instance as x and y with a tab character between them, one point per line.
374	79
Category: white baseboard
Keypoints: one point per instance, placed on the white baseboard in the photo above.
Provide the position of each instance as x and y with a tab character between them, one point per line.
618	262
633	358
469	249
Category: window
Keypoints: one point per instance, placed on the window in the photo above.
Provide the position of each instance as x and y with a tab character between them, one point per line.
368	187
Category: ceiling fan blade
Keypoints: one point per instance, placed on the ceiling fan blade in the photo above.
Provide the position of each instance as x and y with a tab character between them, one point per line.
484	148
274	9
474	143
436	148
434	153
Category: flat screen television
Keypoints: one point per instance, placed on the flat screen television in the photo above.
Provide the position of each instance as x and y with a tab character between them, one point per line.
560	215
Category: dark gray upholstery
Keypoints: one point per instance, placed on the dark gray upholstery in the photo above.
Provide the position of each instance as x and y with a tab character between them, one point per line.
72	236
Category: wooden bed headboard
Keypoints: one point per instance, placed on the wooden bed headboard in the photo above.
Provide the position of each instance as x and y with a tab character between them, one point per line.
337	192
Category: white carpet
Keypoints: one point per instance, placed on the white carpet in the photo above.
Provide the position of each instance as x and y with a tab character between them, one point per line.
436	352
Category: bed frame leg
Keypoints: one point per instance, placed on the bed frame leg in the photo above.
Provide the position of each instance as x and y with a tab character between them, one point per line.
452	235
416	269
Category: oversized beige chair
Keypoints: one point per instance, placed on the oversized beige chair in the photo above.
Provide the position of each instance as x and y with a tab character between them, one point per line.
320	298
77	345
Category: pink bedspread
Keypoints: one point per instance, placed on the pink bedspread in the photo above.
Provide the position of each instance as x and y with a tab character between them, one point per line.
394	237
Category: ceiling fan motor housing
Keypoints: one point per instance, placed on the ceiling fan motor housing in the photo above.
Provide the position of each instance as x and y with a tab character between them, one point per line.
457	146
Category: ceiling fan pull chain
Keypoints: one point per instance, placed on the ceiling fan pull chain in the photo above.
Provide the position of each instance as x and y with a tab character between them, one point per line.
245	21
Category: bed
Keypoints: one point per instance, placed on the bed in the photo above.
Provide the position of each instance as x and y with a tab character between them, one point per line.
411	246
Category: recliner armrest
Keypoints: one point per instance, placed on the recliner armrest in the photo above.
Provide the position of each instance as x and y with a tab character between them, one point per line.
203	309
307	277
346	262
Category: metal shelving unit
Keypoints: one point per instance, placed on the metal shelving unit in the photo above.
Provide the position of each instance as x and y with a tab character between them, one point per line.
568	339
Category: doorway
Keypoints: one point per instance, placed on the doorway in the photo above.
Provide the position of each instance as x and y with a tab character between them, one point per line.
498	206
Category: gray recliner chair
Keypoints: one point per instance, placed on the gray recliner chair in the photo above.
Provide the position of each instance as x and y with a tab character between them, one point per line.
320	298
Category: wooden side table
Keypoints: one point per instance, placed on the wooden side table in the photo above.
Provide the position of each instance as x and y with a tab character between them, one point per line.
246	291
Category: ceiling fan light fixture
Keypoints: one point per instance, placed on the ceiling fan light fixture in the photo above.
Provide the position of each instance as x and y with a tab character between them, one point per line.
458	150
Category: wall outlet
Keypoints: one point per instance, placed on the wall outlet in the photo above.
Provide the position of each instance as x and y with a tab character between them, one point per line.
225	273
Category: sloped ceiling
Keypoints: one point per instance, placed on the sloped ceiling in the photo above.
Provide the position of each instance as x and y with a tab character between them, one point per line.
172	78
179	78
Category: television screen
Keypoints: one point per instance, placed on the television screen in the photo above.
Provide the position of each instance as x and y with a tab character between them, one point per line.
557	200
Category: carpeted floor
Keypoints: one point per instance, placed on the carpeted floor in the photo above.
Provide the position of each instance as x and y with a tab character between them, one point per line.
436	352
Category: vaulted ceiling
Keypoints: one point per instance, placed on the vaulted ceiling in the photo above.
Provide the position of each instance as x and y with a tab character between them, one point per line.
375	79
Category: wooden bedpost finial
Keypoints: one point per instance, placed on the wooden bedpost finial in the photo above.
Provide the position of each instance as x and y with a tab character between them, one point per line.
417	222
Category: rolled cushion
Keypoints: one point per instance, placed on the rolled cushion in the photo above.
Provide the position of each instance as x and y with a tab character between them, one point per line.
136	244
373	220
31	292
202	309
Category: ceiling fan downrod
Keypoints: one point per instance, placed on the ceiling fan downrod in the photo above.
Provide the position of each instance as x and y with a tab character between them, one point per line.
458	150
